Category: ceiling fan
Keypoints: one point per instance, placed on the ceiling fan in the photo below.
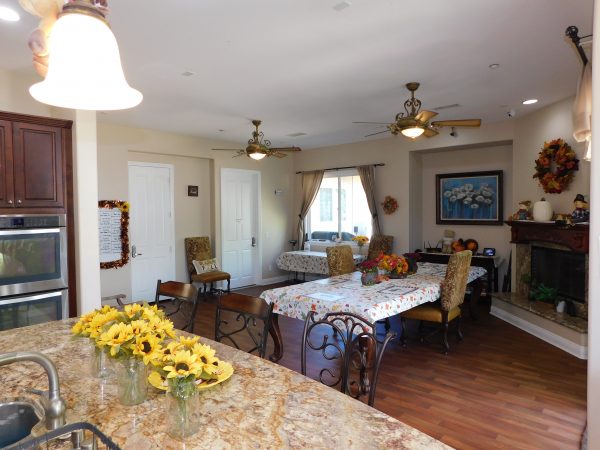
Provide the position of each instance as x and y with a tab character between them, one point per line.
259	147
415	122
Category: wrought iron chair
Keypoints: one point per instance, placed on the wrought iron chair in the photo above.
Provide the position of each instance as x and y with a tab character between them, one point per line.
448	307
179	294
198	248
247	311
380	243
350	345
340	260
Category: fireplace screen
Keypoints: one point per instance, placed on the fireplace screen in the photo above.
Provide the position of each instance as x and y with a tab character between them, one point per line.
559	269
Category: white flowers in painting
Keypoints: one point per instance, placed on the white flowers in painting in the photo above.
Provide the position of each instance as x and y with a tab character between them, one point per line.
476	198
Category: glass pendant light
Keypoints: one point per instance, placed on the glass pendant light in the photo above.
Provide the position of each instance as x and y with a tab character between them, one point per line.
257	155
412	132
84	67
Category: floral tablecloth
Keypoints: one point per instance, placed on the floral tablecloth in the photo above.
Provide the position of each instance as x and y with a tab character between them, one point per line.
308	262
346	293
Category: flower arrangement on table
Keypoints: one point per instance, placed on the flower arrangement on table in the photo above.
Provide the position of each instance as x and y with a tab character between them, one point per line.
559	154
360	240
396	266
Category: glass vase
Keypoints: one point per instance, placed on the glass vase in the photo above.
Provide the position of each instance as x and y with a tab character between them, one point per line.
100	366
368	278
182	410
132	381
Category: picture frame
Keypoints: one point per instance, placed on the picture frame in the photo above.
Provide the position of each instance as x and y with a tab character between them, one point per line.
192	191
469	198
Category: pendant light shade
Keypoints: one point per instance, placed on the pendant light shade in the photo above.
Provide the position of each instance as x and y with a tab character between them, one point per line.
84	67
413	132
257	155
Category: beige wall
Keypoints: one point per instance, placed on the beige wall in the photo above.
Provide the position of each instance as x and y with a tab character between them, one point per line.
400	177
14	94
194	163
551	122
467	160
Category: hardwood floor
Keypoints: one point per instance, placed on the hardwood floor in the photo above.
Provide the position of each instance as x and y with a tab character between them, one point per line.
500	388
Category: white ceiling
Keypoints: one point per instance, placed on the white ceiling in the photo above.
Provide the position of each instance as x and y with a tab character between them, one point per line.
302	66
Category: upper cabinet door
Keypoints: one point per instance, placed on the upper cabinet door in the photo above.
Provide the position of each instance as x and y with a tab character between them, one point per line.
6	165
39	166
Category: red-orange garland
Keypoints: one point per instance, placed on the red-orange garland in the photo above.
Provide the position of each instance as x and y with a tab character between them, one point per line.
124	207
558	154
390	204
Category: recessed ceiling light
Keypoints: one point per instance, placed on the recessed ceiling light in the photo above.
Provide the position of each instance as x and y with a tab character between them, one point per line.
10	15
531	101
494	66
221	130
187	73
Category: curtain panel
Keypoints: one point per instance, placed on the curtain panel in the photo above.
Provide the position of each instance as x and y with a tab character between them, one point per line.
367	178
311	182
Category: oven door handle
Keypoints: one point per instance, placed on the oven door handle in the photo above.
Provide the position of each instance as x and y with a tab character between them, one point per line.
26	231
29	298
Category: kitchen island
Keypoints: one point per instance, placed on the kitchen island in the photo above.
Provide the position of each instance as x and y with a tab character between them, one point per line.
262	405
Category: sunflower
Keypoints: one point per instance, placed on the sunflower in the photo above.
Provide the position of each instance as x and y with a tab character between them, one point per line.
150	312
96	326
139	327
184	364
162	327
187	342
158	381
117	336
147	346
133	309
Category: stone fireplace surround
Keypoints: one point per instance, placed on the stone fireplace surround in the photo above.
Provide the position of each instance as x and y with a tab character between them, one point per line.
537	318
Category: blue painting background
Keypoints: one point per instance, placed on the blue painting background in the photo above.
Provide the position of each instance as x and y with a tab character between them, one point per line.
469	198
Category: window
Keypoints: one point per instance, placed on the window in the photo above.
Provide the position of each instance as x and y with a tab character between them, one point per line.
340	208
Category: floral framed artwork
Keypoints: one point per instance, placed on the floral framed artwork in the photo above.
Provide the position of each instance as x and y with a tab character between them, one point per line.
469	198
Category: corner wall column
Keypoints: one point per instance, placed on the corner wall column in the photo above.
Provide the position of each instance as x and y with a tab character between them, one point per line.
87	251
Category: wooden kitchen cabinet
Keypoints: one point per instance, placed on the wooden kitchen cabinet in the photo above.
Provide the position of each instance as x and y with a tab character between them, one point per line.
35	154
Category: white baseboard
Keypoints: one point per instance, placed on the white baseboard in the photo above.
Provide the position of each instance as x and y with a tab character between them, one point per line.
273	280
580	351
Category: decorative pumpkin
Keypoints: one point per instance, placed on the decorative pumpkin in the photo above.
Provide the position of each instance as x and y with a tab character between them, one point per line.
542	211
458	246
472	244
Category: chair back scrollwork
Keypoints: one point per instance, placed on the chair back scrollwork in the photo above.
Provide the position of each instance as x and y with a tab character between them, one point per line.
351	351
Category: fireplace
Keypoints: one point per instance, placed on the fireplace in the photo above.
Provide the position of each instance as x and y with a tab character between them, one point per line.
562	270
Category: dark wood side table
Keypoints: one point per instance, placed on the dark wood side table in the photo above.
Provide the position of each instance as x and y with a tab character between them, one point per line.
487	262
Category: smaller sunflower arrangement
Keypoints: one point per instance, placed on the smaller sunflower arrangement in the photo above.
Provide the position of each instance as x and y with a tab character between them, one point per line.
186	365
360	240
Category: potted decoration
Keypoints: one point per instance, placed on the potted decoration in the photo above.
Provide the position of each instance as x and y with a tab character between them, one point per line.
360	241
369	270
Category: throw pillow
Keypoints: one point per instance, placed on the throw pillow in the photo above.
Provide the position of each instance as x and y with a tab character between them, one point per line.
208	265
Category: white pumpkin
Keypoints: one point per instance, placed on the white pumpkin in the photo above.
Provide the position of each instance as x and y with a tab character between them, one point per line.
542	211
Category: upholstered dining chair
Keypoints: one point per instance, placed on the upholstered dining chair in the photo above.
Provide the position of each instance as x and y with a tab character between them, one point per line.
181	295
350	350
236	322
198	249
447	308
340	260
380	243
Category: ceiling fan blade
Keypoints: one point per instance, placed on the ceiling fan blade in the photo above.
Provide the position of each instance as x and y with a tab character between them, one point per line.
278	155
286	149
425	116
376	123
379	132
429	132
457	123
229	149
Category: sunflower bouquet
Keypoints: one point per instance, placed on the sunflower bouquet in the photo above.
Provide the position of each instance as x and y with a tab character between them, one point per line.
360	240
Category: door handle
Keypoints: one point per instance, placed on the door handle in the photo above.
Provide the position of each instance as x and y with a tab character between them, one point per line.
19	202
134	252
253	241
10	202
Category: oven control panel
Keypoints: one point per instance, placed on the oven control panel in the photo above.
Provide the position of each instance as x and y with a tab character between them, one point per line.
32	221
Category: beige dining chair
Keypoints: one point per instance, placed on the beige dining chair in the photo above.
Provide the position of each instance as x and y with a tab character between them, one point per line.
379	244
447	308
340	260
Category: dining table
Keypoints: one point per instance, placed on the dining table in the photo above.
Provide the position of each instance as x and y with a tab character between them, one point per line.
307	261
345	293
262	405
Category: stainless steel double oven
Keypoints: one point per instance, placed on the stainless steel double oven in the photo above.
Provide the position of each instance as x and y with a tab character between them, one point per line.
33	269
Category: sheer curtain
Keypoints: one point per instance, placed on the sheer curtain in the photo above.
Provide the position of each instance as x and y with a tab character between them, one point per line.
367	178
311	182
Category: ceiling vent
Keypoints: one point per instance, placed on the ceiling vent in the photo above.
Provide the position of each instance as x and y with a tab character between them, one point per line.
342	5
296	134
453	105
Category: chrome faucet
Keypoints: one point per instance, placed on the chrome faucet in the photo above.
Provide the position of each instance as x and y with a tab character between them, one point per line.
54	406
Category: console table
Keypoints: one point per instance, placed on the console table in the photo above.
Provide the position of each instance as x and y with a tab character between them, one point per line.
489	263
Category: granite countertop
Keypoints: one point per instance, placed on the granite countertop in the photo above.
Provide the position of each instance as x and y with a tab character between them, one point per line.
263	405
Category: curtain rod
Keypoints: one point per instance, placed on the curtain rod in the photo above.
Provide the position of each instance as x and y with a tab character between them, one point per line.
573	33
341	168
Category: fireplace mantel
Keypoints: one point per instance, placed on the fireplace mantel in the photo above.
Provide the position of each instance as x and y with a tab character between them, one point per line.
576	238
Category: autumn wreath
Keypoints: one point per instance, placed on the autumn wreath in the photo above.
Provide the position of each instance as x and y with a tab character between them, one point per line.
555	166
390	204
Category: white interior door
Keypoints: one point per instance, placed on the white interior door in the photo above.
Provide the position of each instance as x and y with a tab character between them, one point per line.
239	225
151	227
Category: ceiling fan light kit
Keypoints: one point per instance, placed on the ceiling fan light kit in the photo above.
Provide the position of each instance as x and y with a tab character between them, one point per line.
84	67
412	132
